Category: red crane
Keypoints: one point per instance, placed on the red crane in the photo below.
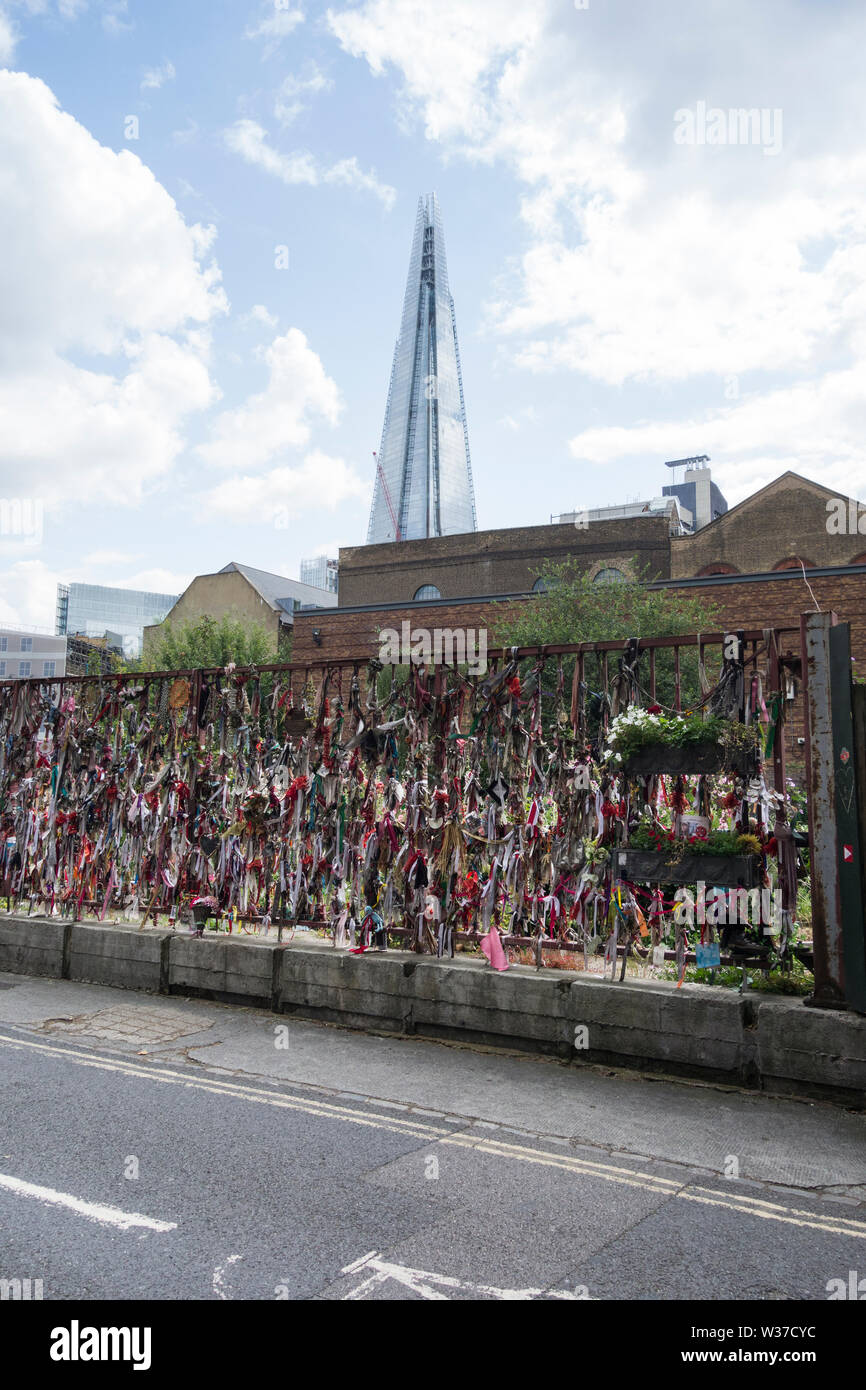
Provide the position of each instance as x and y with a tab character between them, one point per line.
390	504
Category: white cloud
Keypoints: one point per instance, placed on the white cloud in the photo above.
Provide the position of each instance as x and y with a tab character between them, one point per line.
28	594
258	314
108	557
289	102
650	261
813	427
279	417
248	139
153	581
280	21
9	34
319	480
349	172
447	54
106	299
115	17
154	78
8	38
186	134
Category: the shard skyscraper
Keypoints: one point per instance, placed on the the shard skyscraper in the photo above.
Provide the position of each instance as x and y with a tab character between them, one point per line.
424	477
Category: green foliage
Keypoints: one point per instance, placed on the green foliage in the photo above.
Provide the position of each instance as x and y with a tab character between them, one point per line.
804	905
209	642
576	609
637	728
573	608
798	980
649	836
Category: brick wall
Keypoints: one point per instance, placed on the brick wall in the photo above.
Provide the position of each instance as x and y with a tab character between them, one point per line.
348	632
787	518
496	562
775	601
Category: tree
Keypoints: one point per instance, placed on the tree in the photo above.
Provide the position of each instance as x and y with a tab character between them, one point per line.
210	642
573	608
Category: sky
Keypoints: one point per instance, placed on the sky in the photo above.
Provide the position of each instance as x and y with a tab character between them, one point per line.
206	212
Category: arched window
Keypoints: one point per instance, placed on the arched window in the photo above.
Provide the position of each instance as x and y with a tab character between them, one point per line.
609	575
540	586
427	591
794	562
718	568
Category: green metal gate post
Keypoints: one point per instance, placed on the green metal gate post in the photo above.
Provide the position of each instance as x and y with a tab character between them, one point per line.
834	831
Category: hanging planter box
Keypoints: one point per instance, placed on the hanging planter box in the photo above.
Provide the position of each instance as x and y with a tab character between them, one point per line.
724	870
691	759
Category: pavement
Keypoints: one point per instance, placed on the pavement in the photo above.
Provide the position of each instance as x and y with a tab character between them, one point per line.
164	1148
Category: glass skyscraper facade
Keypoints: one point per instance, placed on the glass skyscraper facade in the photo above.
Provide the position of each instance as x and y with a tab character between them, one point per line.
423	481
94	609
320	572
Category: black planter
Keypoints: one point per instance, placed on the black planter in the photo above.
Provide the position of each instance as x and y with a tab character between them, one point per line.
726	870
200	913
691	760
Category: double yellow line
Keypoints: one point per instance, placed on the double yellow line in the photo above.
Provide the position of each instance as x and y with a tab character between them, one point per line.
438	1134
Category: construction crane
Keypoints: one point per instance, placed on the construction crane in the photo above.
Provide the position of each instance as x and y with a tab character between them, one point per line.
388	501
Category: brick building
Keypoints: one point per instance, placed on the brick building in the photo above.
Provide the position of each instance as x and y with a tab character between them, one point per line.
748	562
494	563
777	527
250	595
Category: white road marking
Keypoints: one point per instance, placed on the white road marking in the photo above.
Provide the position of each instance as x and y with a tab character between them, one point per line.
218	1284
93	1211
243	1091
608	1172
431	1286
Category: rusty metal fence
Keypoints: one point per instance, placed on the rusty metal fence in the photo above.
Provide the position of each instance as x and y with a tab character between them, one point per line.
421	804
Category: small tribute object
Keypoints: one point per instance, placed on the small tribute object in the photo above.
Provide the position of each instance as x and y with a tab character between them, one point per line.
708	956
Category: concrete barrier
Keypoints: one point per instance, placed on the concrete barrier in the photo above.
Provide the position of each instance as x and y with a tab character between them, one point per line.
225	968
812	1051
763	1042
32	946
122	956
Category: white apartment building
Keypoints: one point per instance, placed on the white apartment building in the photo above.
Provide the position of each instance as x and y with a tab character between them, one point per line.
28	653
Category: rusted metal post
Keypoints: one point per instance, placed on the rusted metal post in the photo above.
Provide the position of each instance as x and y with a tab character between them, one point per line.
858	710
848	819
834	858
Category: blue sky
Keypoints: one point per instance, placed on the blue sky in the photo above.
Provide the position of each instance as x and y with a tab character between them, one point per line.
629	287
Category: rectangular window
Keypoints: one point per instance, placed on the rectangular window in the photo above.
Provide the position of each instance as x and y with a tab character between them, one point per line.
26	644
4	644
2	668
24	669
49	668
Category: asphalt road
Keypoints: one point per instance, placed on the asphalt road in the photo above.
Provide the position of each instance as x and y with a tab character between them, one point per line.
168	1149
